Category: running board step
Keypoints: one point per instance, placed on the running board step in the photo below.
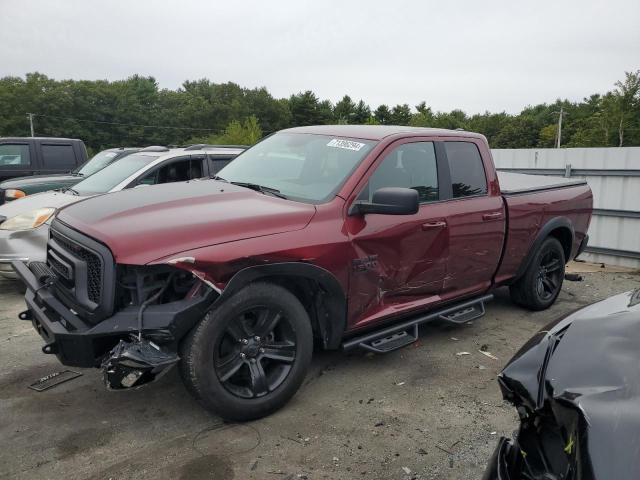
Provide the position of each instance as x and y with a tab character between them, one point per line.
391	342
405	333
464	315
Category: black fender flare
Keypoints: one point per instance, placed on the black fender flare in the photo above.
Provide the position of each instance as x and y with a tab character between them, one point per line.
332	323
545	231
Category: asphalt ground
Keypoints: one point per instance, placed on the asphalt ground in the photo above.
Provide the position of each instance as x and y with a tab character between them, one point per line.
421	412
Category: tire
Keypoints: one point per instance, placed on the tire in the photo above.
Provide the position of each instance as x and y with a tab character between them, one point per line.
541	283
238	374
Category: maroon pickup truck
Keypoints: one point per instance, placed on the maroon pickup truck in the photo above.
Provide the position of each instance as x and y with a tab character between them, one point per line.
333	236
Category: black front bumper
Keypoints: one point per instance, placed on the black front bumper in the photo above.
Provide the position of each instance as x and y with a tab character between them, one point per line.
81	344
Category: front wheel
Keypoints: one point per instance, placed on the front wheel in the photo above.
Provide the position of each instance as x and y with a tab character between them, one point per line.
249	355
541	283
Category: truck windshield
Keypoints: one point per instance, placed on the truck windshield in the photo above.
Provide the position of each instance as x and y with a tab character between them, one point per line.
110	176
97	162
304	167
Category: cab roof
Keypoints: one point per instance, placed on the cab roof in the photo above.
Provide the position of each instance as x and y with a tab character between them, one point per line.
378	132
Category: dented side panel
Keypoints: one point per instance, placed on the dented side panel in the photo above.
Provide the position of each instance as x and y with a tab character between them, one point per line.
396	262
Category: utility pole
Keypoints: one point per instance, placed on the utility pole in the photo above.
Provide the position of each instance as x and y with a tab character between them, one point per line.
561	114
30	115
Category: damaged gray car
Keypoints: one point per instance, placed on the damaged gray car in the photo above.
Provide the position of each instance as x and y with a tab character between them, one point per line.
576	386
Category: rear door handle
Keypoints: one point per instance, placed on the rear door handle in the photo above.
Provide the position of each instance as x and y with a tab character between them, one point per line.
492	216
431	225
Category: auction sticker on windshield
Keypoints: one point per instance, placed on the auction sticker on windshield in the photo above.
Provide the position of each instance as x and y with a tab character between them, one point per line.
346	144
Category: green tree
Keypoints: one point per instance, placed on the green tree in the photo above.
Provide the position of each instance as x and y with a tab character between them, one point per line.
306	109
382	115
361	113
345	110
627	95
135	112
401	115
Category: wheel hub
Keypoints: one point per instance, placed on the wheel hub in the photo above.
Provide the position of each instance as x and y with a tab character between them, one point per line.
252	347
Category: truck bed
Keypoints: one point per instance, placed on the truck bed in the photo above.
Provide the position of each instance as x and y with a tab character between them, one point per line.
515	183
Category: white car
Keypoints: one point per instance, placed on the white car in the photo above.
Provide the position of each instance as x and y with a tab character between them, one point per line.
24	223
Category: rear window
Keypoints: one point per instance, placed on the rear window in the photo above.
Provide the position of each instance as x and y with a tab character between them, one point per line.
58	157
467	171
14	155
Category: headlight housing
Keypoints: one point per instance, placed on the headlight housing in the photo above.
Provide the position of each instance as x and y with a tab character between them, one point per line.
13	194
29	220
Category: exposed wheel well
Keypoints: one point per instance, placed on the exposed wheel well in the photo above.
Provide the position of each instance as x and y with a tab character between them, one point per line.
307	291
317	289
565	237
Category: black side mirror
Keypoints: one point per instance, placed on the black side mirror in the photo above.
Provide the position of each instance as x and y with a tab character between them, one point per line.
389	201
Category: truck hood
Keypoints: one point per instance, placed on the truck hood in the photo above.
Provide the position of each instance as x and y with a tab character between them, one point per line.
144	224
39	200
36	180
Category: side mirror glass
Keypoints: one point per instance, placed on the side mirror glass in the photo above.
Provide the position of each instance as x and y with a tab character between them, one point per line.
389	201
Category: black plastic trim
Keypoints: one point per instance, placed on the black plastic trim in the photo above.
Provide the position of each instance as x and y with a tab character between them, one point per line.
85	308
333	325
551	225
583	245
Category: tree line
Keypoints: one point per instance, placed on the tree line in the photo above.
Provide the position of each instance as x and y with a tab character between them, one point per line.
135	112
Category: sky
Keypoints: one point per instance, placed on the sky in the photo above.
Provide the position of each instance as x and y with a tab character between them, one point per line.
468	54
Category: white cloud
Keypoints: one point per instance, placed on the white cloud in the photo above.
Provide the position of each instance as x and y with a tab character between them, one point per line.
492	55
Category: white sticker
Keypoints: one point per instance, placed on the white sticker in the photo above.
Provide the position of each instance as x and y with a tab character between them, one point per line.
346	144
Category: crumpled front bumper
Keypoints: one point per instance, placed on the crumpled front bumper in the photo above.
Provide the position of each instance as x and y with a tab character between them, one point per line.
81	344
22	245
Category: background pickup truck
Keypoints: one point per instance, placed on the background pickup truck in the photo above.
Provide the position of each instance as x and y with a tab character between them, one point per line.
20	187
25	156
349	235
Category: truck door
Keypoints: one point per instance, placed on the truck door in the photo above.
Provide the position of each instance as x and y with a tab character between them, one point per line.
476	219
398	261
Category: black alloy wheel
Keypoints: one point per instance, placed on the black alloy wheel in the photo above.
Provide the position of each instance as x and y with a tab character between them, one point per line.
549	275
249	355
256	352
539	286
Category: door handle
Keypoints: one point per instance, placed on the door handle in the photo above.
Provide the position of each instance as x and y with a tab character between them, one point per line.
431	225
492	216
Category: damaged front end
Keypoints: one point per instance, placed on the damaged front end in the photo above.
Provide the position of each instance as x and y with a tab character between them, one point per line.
133	327
135	362
148	354
577	392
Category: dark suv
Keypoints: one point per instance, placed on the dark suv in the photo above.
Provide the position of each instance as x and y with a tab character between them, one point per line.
25	156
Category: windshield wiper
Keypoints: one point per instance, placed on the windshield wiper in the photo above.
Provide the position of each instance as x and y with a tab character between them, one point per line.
69	189
261	188
216	177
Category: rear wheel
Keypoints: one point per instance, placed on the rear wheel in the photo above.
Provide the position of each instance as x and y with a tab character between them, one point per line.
249	356
540	285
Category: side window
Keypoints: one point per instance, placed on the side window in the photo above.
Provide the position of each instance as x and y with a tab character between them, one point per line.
58	157
412	165
467	171
14	155
177	171
217	163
